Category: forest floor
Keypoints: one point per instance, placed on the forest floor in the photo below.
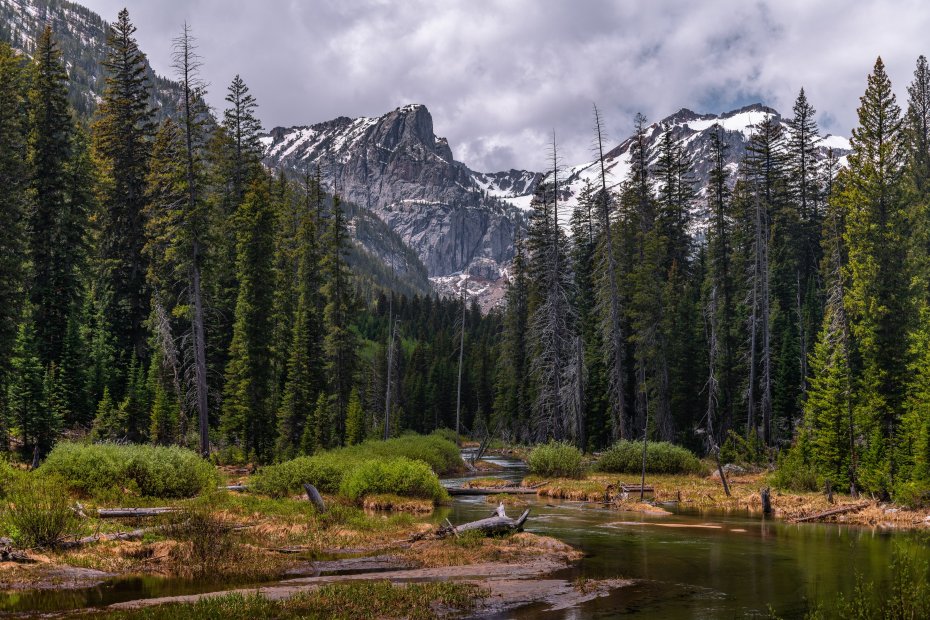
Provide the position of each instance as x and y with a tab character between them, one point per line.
707	493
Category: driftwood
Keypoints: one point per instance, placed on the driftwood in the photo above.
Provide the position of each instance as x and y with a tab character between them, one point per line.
314	496
835	511
491	490
125	513
500	523
234	487
8	553
87	540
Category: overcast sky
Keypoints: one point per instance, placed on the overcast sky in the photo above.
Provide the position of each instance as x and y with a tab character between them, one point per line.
500	75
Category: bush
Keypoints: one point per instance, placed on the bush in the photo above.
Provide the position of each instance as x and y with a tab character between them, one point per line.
556	459
37	512
793	474
152	471
626	457
445	433
326	470
400	476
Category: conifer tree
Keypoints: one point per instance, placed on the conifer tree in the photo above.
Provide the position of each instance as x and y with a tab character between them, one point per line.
58	212
355	420
340	343
248	410
305	361
31	421
878	302
122	143
14	121
243	128
513	381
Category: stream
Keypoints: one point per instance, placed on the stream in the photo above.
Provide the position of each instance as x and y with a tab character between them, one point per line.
689	564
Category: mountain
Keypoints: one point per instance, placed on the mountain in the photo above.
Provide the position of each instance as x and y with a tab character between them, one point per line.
81	35
396	167
692	132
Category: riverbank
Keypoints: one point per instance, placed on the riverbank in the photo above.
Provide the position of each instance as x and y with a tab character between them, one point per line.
707	493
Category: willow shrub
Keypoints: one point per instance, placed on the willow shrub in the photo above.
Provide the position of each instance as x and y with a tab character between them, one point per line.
36	513
556	459
626	457
150	471
401	476
327	470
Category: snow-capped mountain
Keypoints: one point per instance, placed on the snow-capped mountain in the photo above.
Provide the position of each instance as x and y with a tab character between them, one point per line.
395	165
692	132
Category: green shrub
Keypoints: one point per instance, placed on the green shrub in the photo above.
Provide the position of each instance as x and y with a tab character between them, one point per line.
556	459
152	471
439	453
401	476
445	433
794	474
743	451
37	513
324	471
626	457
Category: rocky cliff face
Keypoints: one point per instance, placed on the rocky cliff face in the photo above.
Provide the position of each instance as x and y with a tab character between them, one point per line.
399	169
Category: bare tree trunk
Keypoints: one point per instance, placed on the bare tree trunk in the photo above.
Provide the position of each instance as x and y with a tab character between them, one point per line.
390	368
458	398
614	329
754	323
710	320
766	340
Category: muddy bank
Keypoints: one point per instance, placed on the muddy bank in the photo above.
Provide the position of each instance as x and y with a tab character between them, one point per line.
523	578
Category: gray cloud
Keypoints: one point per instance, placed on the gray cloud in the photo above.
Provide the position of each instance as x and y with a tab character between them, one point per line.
500	75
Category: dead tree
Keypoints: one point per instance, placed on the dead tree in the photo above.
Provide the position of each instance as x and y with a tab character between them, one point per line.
609	300
710	321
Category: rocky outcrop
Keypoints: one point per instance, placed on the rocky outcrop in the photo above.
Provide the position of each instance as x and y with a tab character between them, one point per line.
398	168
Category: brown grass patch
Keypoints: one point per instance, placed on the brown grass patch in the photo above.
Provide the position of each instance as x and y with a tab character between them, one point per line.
486	483
505	498
396	503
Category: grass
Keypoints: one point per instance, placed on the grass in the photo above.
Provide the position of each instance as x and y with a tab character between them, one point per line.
556	459
36	512
108	469
661	458
358	599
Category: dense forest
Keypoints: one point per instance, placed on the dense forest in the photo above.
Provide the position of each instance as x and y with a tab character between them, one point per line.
793	324
159	284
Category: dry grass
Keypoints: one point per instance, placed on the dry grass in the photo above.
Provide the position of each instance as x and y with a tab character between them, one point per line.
487	483
395	503
707	493
506	499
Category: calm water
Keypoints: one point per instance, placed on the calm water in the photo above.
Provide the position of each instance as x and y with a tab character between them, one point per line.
686	565
704	565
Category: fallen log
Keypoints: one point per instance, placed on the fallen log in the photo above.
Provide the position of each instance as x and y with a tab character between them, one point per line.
830	513
490	490
87	540
500	523
126	513
234	487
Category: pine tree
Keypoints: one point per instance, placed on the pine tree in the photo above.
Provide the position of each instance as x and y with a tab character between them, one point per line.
340	344
355	420
513	382
305	361
57	219
878	302
248	410
30	420
243	128
122	144
14	121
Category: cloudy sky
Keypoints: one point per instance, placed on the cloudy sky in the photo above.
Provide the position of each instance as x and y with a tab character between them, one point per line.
500	75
